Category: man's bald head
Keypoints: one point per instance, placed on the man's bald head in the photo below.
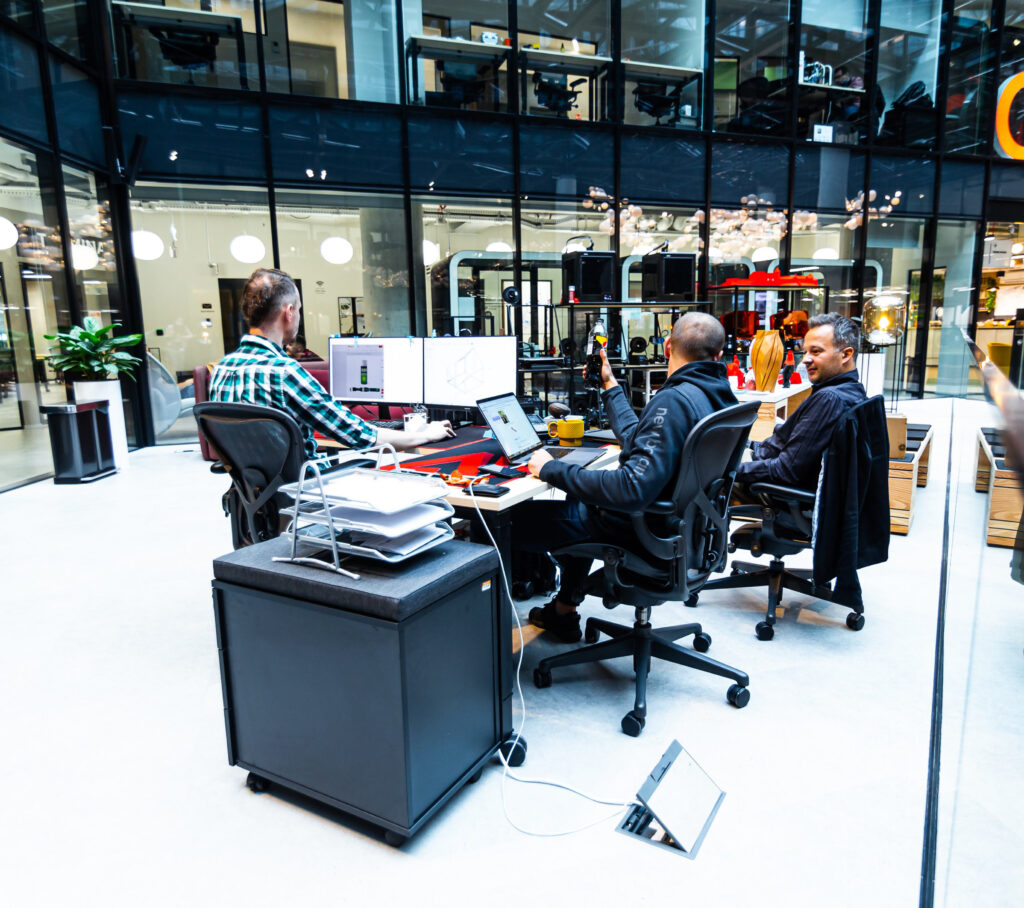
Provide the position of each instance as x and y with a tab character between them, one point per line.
697	336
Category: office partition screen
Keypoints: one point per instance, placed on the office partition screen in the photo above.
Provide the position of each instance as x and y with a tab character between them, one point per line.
376	369
459	371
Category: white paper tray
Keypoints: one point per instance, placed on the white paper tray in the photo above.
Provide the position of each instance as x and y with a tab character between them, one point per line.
344	548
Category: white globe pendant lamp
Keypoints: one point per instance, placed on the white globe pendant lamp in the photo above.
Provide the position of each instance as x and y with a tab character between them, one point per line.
247	249
146	245
336	250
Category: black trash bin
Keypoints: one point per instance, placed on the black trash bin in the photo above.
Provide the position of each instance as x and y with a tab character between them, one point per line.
80	440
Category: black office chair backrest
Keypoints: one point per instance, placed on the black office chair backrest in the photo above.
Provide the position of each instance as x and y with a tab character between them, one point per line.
261	448
690	534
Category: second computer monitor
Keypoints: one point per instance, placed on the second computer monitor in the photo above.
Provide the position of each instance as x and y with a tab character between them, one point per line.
376	369
459	371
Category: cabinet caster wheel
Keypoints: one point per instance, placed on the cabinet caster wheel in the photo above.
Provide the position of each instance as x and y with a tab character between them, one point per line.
541	679
854	621
256	783
522	589
735	571
765	631
473	779
514	752
691	602
591	634
738	696
395	839
702	643
632	724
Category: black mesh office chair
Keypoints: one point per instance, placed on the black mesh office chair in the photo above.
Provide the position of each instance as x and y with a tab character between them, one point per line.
261	449
555	96
678	543
783	524
657	100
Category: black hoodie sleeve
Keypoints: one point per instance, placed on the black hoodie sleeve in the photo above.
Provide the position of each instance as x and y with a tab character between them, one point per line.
621	415
657	444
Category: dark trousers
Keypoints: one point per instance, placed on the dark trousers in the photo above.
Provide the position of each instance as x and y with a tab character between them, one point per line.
543	526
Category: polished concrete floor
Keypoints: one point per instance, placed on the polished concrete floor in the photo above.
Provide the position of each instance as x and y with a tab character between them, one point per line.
117	789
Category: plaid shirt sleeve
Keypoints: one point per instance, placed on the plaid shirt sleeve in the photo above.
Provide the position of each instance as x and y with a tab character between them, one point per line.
323	412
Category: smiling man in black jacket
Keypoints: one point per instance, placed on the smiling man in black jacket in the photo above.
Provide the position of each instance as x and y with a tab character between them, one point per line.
652	445
792	455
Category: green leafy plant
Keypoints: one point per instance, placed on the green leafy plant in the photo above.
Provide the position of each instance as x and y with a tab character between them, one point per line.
91	353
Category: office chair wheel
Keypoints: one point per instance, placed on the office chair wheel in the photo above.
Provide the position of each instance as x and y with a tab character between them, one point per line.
702	643
395	839
738	696
692	601
541	679
591	634
632	724
256	783
514	751
854	621
764	630
522	589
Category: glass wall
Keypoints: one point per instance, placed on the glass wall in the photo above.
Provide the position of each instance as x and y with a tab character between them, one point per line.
751	67
969	107
33	303
66	23
194	248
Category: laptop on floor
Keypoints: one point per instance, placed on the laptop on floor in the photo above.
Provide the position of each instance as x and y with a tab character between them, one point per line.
517	436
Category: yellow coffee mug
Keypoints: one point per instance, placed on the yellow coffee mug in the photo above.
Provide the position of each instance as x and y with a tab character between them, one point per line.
569	431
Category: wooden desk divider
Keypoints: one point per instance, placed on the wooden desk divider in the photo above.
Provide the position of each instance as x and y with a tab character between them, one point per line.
906	474
1005	498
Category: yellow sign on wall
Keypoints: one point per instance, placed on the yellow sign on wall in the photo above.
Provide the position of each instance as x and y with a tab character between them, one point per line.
1006	144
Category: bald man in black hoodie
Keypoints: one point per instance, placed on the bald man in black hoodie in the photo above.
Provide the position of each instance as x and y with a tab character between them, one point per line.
651	449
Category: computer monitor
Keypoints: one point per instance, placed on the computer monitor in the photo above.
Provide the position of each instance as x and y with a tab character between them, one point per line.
376	369
459	371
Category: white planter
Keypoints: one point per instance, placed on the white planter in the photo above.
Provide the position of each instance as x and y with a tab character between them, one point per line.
110	391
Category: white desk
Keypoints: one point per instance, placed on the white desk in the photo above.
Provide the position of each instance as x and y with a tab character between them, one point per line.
781	403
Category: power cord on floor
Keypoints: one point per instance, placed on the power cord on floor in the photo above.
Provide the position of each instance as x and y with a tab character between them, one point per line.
508	773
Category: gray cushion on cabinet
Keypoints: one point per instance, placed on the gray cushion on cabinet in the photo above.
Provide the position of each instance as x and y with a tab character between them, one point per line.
389	592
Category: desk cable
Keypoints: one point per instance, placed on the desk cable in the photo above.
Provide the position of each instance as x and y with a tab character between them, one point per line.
508	773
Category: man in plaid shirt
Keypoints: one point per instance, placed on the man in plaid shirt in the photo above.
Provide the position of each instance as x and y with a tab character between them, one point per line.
260	372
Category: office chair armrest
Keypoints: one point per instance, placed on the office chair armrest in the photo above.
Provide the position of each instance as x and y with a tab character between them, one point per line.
661	508
752	511
801	496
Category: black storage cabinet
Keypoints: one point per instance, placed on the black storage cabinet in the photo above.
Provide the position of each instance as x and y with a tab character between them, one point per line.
80	440
381	696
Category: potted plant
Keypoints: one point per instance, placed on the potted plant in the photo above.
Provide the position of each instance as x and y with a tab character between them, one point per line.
94	359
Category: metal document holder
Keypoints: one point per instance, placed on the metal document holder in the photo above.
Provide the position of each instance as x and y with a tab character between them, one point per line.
313	523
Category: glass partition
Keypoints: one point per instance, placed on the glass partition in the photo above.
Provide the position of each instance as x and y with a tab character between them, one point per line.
194	248
833	104
77	106
908	62
21	11
967	118
663	63
186	42
22	87
66	23
750	69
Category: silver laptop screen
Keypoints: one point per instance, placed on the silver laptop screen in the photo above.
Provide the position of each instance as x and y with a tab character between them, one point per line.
512	429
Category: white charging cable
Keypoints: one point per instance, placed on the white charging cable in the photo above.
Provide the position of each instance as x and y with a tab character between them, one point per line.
508	773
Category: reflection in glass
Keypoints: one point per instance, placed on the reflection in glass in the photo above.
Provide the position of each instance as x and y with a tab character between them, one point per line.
908	60
305	50
92	244
21	87
827	250
833	105
827	177
21	11
191	290
186	43
66	23
77	108
1010	127
466	247
348	253
971	77
751	78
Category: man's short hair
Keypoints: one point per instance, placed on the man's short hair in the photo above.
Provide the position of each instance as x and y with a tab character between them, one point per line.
845	332
264	295
698	336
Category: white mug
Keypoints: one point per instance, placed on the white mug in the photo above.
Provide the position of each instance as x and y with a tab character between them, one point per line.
414	422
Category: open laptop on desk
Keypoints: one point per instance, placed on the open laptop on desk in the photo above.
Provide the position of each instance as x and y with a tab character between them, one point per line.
512	429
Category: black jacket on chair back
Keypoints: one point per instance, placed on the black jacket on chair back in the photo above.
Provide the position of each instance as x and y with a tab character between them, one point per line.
851	525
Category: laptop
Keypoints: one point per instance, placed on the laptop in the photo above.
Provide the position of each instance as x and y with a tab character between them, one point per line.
517	436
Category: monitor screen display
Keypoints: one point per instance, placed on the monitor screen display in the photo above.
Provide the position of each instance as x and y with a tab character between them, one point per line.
376	369
459	371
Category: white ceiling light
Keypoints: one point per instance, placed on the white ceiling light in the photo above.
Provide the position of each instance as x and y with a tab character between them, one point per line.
336	250
8	234
146	245
431	252
826	252
499	246
83	257
1015	249
764	254
247	249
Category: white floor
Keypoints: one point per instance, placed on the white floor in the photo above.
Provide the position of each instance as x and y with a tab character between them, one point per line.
117	789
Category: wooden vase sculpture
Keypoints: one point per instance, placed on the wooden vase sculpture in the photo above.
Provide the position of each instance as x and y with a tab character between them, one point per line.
766	354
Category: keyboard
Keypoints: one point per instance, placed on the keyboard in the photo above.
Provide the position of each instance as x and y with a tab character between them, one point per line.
387	423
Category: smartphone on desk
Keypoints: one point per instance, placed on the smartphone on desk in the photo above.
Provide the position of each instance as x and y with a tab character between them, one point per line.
488	491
